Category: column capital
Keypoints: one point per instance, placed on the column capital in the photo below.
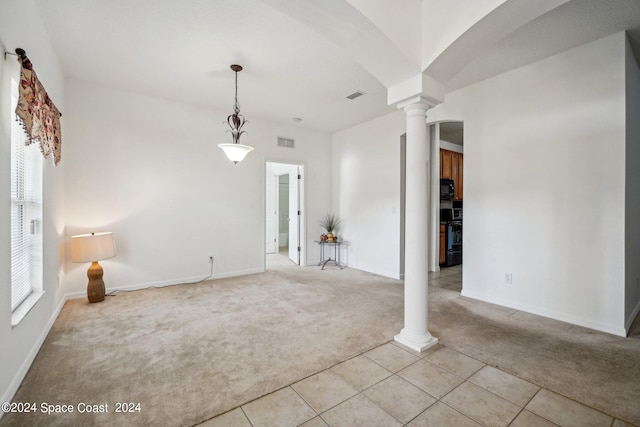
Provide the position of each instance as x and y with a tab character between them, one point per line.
416	104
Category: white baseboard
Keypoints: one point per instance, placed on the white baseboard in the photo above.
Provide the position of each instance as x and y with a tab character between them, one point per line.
587	323
161	284
237	273
182	281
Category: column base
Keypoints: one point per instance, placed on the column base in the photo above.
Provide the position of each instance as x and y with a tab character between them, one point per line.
416	343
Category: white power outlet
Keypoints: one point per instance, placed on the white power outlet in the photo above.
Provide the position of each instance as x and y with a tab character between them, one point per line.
508	278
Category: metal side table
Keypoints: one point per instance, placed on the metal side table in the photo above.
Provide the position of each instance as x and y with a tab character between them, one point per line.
336	252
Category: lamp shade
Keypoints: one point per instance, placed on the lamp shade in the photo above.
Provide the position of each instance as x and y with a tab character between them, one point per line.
92	247
236	152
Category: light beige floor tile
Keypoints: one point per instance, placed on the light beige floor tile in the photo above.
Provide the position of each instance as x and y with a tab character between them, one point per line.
455	362
445	272
324	390
440	415
446	281
439	282
315	422
481	405
529	419
430	378
234	418
281	408
434	274
359	412
505	385
400	398
566	412
391	357
361	372
420	354
456	287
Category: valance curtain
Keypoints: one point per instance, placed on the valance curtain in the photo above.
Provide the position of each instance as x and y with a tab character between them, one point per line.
37	114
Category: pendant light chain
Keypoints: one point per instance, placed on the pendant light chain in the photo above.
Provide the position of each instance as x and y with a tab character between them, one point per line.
236	106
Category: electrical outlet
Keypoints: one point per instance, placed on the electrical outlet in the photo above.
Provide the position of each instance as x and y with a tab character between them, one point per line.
508	278
210	259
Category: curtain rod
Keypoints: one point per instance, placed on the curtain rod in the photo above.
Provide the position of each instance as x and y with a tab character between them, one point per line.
19	52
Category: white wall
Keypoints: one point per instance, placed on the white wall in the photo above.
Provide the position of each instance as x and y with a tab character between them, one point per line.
21	343
366	192
544	185
632	189
150	171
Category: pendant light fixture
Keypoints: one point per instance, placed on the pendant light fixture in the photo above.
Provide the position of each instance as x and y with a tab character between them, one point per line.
235	151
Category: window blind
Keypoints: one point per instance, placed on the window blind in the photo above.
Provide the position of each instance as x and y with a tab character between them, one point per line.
26	211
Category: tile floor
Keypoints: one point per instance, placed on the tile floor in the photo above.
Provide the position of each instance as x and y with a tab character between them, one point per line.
393	386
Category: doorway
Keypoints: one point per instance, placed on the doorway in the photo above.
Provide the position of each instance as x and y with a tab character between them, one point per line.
283	211
442	135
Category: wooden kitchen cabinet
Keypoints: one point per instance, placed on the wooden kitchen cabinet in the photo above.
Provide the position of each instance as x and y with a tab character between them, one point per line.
443	244
454	171
446	160
451	167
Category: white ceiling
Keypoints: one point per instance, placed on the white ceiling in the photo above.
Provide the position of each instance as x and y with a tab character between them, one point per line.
452	132
181	51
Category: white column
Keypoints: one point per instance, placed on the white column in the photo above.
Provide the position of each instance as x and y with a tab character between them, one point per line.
415	333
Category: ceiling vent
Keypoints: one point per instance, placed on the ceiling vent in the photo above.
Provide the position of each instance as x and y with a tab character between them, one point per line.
355	95
286	142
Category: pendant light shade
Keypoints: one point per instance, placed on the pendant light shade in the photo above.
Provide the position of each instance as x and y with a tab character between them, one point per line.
236	151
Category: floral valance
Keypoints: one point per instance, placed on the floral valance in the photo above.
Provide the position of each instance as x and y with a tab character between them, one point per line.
37	114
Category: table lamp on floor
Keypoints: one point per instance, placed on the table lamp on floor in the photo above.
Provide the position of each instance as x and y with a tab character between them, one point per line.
92	248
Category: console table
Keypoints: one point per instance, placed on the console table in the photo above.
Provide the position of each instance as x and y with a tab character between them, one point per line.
336	252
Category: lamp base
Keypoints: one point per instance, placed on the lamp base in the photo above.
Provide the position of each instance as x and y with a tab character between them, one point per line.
95	287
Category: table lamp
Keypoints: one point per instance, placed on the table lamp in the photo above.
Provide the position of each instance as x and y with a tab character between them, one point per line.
92	248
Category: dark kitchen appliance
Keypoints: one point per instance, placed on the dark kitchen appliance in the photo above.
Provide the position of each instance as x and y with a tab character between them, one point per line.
453	245
457	210
446	189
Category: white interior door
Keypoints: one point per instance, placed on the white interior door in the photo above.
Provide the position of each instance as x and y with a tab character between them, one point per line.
294	215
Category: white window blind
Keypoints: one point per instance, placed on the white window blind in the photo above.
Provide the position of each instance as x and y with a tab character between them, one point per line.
26	213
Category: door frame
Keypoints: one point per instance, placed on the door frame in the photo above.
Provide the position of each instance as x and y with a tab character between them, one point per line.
302	222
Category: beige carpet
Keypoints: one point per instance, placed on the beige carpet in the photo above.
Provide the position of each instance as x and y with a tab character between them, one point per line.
187	353
190	352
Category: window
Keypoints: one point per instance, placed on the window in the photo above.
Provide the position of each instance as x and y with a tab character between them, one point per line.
26	218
